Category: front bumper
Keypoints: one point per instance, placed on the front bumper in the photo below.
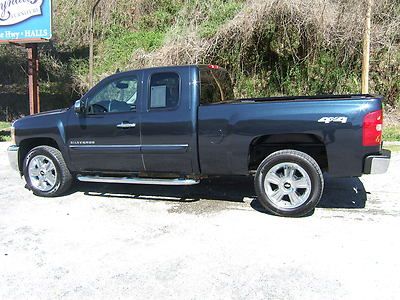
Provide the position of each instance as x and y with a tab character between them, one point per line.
13	157
378	163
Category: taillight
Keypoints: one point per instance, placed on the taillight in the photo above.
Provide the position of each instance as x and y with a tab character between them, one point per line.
214	67
372	128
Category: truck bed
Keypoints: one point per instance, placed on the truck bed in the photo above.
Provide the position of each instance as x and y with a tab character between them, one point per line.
226	129
305	98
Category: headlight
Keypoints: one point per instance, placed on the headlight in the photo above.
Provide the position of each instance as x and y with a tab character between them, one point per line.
13	135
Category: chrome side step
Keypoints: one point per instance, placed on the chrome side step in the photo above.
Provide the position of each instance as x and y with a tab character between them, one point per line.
138	180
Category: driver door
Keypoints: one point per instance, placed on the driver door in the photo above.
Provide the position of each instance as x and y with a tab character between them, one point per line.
106	138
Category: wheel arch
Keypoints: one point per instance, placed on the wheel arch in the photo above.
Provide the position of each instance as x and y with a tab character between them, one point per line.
264	145
27	145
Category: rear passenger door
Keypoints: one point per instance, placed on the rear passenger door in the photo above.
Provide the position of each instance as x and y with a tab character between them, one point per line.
167	122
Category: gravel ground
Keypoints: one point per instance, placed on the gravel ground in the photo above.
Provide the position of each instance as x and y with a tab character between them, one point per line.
210	241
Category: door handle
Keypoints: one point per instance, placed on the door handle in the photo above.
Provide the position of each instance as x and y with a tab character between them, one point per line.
126	125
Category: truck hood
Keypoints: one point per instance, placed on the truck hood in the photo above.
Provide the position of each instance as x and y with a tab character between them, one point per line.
46	113
51	115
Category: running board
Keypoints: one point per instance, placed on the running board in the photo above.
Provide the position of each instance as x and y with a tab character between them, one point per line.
137	180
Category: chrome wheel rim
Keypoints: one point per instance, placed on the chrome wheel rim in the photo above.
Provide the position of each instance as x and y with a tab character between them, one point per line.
42	173
287	185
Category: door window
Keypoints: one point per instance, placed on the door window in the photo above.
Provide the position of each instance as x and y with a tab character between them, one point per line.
164	91
119	95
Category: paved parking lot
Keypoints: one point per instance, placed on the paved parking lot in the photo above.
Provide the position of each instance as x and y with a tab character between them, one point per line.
210	241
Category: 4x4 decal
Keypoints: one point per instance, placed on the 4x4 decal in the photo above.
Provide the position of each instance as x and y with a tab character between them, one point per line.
328	120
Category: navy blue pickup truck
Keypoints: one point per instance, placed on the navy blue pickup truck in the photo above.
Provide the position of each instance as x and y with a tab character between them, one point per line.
176	125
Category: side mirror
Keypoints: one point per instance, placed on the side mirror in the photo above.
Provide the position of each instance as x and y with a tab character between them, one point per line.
79	107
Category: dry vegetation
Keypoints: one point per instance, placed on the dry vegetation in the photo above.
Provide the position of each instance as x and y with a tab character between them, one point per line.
286	40
271	47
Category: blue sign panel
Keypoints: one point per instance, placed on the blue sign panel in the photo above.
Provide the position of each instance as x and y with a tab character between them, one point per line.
25	20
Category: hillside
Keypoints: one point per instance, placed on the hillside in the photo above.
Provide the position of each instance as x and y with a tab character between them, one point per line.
270	47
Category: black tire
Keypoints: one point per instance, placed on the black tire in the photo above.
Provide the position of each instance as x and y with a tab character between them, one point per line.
63	178
308	164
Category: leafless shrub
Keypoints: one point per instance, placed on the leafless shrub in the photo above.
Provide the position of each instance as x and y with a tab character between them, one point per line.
320	23
184	48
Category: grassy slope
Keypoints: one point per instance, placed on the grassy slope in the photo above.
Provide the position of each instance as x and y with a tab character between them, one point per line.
117	48
271	64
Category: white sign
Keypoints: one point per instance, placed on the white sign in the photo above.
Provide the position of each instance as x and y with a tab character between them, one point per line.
158	96
15	11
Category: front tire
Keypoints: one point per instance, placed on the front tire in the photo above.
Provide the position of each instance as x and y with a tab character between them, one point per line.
289	183
46	172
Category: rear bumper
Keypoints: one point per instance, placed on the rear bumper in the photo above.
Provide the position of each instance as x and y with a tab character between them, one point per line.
378	163
13	157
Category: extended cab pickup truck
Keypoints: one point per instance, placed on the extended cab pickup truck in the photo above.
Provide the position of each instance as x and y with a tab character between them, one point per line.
176	125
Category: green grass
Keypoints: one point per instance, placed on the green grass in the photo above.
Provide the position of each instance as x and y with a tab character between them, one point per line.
117	50
221	12
118	45
4	125
4	138
4	134
391	133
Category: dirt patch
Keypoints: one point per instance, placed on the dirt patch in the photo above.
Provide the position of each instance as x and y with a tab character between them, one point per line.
206	207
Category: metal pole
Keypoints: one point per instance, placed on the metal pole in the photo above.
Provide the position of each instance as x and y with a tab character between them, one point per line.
33	74
91	43
366	50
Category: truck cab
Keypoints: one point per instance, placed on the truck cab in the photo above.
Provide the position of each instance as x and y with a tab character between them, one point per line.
135	122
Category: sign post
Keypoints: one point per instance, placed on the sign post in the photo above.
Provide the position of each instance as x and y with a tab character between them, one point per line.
27	22
33	73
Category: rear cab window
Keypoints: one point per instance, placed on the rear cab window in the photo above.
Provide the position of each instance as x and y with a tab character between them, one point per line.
216	85
164	91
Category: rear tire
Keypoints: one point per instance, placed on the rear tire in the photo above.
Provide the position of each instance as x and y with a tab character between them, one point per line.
46	172
289	183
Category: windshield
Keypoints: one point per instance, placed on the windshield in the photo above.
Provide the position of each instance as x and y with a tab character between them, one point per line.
216	85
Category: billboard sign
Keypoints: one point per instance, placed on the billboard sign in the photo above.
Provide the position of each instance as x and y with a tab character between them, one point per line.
25	21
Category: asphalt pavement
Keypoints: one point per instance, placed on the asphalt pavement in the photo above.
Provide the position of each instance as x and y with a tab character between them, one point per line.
210	241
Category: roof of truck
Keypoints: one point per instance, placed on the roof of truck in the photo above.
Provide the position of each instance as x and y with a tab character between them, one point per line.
209	66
